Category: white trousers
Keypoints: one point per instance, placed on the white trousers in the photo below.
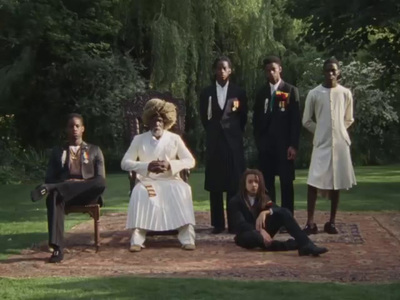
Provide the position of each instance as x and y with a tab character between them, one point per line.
186	235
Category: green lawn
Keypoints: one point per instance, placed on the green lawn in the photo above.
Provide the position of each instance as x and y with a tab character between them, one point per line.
154	288
23	223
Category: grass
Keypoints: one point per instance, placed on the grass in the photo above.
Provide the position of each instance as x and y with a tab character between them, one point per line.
23	223
153	288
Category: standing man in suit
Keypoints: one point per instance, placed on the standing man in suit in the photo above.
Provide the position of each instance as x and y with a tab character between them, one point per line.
223	112
75	176
276	124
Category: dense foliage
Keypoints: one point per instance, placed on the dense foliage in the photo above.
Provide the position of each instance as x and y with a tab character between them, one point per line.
61	56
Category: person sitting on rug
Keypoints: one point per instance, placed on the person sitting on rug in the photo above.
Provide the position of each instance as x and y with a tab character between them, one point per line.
161	200
75	176
257	219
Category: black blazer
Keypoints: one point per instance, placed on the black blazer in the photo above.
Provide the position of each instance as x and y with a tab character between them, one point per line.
228	125
92	163
276	131
231	120
244	218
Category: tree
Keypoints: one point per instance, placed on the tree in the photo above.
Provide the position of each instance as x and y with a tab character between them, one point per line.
59	57
344	27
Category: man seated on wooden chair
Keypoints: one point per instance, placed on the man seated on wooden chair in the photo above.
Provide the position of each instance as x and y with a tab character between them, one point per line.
161	200
75	176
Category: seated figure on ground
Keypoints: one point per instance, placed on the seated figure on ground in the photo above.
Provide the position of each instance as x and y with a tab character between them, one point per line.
257	219
161	200
75	176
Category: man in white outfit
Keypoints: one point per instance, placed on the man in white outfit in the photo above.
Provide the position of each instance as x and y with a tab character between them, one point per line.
331	168
161	200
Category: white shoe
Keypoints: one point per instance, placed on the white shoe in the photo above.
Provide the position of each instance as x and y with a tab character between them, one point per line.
135	248
189	247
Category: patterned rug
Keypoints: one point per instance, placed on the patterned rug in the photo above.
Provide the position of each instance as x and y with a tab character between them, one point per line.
367	249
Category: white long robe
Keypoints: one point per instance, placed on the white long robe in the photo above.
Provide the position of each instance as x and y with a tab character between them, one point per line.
171	207
331	167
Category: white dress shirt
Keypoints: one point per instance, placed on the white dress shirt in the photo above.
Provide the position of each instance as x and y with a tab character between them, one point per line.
221	94
274	87
252	200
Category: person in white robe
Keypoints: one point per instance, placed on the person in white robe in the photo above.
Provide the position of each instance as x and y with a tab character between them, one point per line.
331	168
160	200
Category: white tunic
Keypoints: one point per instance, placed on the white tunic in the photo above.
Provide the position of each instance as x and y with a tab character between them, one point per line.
331	167
166	202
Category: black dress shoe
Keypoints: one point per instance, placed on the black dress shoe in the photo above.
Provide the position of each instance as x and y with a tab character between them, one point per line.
288	245
312	249
57	256
217	230
38	193
330	228
291	244
313	229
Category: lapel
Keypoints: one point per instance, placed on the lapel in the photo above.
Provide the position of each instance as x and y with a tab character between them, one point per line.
214	97
281	86
252	210
65	157
267	100
84	154
229	95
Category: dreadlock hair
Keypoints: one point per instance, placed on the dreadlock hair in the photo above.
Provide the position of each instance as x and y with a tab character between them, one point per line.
261	195
160	108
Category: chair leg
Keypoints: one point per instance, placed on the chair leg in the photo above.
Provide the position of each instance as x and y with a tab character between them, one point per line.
96	229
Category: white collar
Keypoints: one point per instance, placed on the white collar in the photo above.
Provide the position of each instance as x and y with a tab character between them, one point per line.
222	87
274	87
252	200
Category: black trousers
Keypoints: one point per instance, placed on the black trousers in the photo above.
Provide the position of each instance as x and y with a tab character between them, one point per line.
280	217
65	194
271	164
217	209
287	190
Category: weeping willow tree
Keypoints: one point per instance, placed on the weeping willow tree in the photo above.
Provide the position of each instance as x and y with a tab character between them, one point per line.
177	41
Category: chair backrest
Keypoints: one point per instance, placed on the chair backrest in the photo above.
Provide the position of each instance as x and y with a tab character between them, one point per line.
133	110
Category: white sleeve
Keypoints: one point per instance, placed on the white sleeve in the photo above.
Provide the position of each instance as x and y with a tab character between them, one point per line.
348	115
129	161
308	122
185	159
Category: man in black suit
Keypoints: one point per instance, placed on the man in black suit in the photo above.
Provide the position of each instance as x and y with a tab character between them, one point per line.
256	219
223	112
276	123
75	176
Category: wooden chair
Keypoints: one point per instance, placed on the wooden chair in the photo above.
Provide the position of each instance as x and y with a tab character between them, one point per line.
133	110
94	211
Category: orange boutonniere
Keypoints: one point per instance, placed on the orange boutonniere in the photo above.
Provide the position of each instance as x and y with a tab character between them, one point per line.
235	105
283	99
85	157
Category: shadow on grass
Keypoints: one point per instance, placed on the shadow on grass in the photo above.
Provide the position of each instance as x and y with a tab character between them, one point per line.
155	288
11	244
